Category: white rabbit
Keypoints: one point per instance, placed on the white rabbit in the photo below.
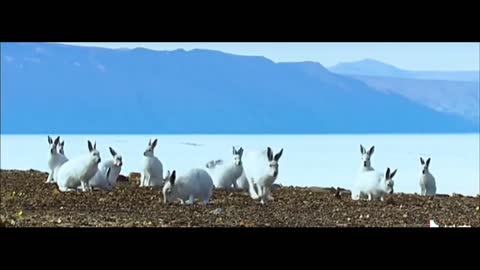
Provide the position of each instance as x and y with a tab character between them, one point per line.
367	177
383	185
100	179
152	174
105	180
78	171
226	176
366	156
242	182
427	181
261	171
55	159
196	184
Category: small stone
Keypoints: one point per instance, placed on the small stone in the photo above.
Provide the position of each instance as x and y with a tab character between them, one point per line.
367	216
405	215
348	219
217	211
122	178
59	221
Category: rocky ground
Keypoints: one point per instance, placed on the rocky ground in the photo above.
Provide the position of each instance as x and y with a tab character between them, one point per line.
26	201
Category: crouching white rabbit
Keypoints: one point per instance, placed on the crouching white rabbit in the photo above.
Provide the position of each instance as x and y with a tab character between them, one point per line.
78	171
152	174
428	186
196	184
373	185
102	178
261	170
226	176
55	158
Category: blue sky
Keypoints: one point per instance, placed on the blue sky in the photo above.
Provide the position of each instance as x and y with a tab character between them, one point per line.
411	56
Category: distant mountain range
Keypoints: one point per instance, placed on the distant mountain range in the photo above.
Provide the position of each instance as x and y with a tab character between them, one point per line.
369	67
56	88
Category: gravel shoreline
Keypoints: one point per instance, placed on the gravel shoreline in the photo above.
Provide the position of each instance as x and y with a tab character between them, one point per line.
26	201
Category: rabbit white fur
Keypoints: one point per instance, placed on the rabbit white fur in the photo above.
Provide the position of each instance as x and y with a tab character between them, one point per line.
367	177
261	170
100	179
152	174
374	185
108	172
427	181
78	171
196	184
242	182
226	176
55	159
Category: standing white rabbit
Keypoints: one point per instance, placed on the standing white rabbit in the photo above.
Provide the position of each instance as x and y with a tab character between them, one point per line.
78	171
226	176
105	180
367	176
261	170
152	174
55	159
196	184
427	181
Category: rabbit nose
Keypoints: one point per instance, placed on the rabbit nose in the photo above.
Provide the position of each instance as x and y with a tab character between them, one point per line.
275	174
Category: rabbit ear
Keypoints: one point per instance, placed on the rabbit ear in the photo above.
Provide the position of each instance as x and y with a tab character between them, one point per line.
234	151
149	142
172	177
278	155
168	176
56	140
108	172
428	162
112	151
154	143
240	151
90	147
62	142
387	174
372	149
269	154
218	162
362	150
393	174
50	141
95	145
421	161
